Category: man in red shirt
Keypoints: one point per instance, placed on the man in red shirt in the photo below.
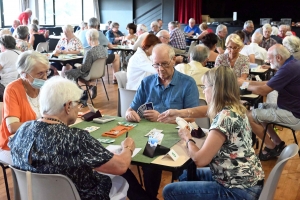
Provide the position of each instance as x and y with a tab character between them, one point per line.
24	16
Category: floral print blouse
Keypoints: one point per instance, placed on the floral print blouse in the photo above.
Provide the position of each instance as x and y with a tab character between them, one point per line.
240	67
73	45
235	165
23	45
40	147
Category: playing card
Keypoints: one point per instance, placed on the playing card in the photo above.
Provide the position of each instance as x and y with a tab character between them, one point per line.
151	133
142	108
91	128
106	141
149	106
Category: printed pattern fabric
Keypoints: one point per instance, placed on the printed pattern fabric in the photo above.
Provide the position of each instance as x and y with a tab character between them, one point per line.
235	165
240	67
23	45
267	43
58	149
73	45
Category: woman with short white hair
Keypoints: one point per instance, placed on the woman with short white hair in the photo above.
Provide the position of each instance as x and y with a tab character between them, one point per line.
233	59
21	97
50	146
292	43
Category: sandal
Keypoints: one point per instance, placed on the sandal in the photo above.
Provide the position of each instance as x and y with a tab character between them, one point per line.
271	154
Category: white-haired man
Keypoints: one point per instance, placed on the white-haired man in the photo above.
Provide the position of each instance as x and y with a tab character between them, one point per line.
191	29
292	43
15	24
177	38
248	29
154	27
287	110
24	17
267	41
141	31
259	52
282	31
164	36
221	32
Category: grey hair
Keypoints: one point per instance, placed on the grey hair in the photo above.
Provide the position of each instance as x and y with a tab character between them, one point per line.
221	27
288	27
267	26
141	27
192	19
280	50
155	23
8	41
162	33
68	27
170	49
275	30
34	27
114	24
257	38
93	34
93	22
55	93
247	23
28	10
28	60
173	24
22	32
283	26
200	53
292	43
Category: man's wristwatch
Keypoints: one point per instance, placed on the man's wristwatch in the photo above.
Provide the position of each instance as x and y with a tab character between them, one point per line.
190	140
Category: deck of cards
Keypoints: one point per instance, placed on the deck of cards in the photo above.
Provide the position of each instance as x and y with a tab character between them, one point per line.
152	132
142	108
91	128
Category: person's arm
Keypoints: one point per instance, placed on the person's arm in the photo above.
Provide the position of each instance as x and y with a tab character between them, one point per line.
31	39
1	67
204	33
251	58
13	127
260	89
118	164
110	36
244	76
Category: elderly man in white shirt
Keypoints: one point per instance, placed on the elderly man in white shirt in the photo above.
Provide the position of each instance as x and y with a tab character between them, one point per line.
259	52
142	32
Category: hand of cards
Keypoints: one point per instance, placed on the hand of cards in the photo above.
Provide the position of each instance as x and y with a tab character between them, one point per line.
142	108
194	129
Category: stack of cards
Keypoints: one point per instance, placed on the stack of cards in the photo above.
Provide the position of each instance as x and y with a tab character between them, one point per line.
152	132
106	141
142	108
91	128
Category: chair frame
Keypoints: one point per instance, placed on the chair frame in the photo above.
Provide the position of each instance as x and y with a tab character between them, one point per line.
4	167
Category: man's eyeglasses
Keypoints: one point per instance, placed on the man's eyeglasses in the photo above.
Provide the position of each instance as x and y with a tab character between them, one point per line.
79	104
163	65
232	48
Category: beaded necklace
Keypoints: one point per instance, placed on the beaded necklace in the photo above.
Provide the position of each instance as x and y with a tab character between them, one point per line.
53	119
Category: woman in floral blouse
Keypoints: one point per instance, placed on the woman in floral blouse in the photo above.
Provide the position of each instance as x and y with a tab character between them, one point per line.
234	170
233	59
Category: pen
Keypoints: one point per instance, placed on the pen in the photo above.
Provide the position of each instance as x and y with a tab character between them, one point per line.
127	134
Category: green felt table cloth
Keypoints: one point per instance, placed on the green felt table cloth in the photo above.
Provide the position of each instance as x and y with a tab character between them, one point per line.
137	133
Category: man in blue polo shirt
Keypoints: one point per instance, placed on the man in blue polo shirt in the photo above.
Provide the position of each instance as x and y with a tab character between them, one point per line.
287	111
168	89
191	30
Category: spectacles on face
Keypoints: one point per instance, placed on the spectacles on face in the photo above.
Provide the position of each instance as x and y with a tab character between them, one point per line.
42	74
232	48
163	65
78	103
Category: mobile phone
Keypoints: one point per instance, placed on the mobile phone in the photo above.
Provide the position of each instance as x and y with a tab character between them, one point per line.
103	119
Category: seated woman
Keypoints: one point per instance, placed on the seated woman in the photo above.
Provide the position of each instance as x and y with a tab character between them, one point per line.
234	171
210	40
233	59
22	33
35	36
205	30
40	30
292	43
21	97
113	35
140	65
8	59
49	145
68	44
247	50
94	53
131	37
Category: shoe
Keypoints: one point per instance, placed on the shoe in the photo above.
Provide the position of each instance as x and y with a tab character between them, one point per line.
93	91
115	82
272	153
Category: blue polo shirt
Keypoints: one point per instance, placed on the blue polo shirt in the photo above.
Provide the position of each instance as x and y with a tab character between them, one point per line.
286	82
181	93
195	28
102	39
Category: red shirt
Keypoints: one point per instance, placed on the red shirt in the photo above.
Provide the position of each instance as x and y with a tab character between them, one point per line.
210	30
24	16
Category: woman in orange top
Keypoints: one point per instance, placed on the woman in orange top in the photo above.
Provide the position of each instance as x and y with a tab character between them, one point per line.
21	97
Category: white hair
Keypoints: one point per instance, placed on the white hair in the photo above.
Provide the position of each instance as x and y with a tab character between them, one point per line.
292	43
27	61
257	38
221	27
247	23
93	34
162	33
275	30
154	23
267	26
288	33
28	10
170	49
141	27
55	93
200	53
68	27
280	50
192	19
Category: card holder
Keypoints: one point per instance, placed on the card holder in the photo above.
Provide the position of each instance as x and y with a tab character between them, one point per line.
117	131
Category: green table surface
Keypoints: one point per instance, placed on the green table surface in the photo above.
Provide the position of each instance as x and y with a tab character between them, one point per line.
137	133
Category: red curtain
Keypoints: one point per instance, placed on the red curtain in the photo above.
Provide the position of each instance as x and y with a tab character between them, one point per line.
186	9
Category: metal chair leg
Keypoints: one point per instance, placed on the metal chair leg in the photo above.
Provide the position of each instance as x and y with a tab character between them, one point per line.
89	94
107	73
295	140
5	179
105	88
263	140
140	176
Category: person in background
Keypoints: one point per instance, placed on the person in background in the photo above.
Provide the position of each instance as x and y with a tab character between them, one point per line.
196	67
113	35
35	36
260	53
210	40
237	62
141	32
177	38
221	32
15	24
247	50
131	37
248	29
83	26
288	27
282	31
154	27
267	40
44	31
140	64
234	171
191	30
24	17
108	24
292	43
52	147
274	35
160	23
21	97
22	33
204	30
5	31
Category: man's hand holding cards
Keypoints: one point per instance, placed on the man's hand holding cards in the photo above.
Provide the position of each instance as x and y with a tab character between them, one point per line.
147	111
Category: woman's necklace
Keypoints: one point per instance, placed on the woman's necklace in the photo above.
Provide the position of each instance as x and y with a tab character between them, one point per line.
53	119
